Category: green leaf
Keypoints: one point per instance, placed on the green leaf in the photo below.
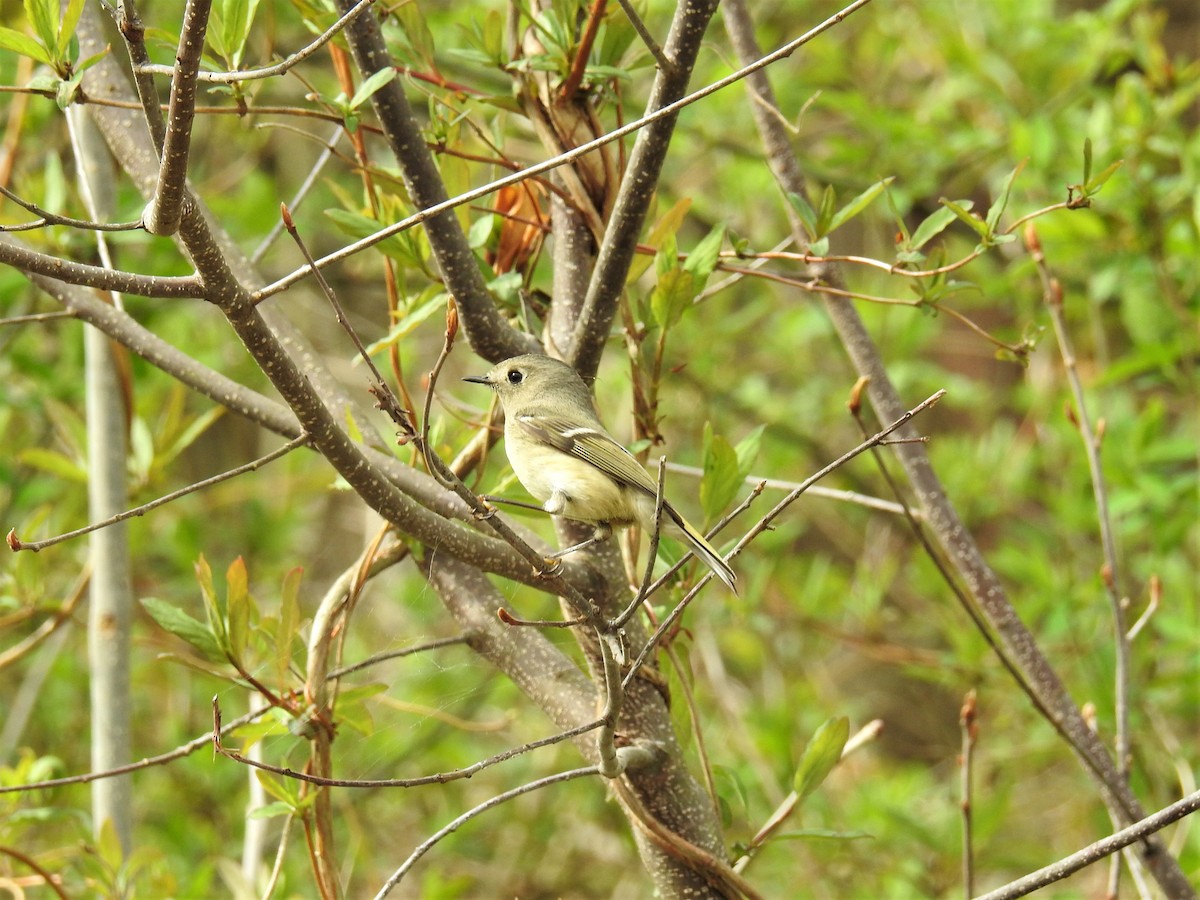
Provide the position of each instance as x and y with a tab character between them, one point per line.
416	29
671	297
1087	160
141	446
960	209
237	607
66	27
108	845
371	85
667	225
189	435
289	623
54	462
821	755
24	45
934	224
806	213
43	15
229	28
997	209
481	231
825	211
183	626
858	204
703	259
667	258
213	608
721	474
271	810
1094	184
352	709
747	451
411	320
405	248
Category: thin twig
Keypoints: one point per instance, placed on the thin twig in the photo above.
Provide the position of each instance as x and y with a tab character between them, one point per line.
764	523
784	810
183	750
38	317
426	845
815	490
378	658
45	217
1081	859
970	731
301	192
651	553
268	71
1053	296
656	50
1151	608
15	543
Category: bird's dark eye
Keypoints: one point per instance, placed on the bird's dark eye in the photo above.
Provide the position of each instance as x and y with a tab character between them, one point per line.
515	376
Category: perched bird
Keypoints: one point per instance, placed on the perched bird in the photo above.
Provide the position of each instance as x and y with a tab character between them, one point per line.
561	453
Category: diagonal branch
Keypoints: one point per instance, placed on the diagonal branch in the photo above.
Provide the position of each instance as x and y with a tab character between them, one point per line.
163	216
489	333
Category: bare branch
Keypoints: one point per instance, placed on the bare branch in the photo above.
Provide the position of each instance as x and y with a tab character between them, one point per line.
16	544
1093	853
163	216
19	256
426	845
279	68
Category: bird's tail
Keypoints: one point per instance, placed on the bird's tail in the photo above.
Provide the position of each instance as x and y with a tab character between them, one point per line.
702	548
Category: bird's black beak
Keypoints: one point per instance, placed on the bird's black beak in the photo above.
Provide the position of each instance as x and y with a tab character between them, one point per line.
478	379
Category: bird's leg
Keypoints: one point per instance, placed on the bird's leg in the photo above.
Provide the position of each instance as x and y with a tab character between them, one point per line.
601	533
488	498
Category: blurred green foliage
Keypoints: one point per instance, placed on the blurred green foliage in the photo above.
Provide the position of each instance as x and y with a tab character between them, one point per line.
841	614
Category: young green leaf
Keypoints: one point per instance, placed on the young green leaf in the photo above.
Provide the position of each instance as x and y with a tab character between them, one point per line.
289	623
67	25
371	85
43	15
804	210
214	609
23	44
858	204
183	626
672	295
935	223
960	211
747	450
821	755
825	211
997	208
1094	184
703	259
722	477
237	607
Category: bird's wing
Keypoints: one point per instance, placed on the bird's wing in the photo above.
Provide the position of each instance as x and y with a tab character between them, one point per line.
592	445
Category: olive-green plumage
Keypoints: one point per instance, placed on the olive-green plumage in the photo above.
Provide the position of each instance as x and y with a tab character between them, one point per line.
560	451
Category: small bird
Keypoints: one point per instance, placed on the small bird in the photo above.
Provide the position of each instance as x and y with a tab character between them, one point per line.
559	450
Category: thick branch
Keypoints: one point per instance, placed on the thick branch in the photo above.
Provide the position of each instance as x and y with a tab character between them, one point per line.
19	256
489	334
638	186
163	217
